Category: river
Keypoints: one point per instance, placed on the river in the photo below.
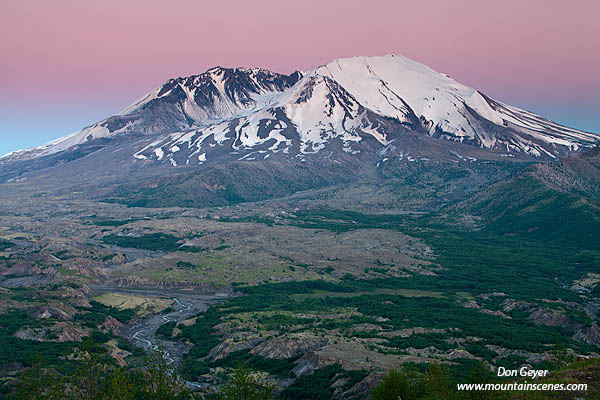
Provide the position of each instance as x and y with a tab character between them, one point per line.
187	304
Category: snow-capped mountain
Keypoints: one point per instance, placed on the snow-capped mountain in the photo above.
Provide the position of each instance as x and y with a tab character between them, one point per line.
348	107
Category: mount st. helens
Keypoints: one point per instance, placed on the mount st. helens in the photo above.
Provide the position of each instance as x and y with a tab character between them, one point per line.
407	219
358	106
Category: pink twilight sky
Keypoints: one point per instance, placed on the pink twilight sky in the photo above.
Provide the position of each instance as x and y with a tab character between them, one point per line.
65	64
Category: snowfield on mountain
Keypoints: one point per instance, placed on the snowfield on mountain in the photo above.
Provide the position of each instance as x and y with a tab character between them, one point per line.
353	105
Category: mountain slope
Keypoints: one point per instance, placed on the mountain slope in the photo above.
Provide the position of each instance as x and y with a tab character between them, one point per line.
338	105
397	87
235	134
178	104
553	202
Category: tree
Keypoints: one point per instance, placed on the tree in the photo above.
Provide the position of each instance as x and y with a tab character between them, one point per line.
86	383
561	355
438	384
409	384
246	384
160	378
120	386
96	378
479	373
395	385
37	383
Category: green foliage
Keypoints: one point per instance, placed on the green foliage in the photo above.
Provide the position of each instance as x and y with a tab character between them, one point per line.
449	174
115	222
402	312
535	263
230	183
13	349
5	244
420	341
274	366
108	257
15	319
120	386
97	312
479	350
166	330
252	218
86	383
153	241
90	319
316	386
246	384
201	335
479	373
160	379
407	384
438	384
526	207
96	378
124	344
595	292
472	262
186	265
192	367
279	320
397	385
561	355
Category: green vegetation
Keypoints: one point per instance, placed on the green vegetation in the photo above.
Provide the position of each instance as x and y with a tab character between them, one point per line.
97	312
5	244
525	207
435	383
108	257
201	335
15	350
274	366
186	265
153	241
318	385
399	292
469	267
246	384
230	183
528	254
166	330
115	223
401	312
94	377
444	300
474	262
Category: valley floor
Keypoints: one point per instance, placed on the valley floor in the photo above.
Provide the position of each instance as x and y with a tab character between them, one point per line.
297	289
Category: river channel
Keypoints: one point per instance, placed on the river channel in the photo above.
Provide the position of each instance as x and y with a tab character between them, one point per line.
187	303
